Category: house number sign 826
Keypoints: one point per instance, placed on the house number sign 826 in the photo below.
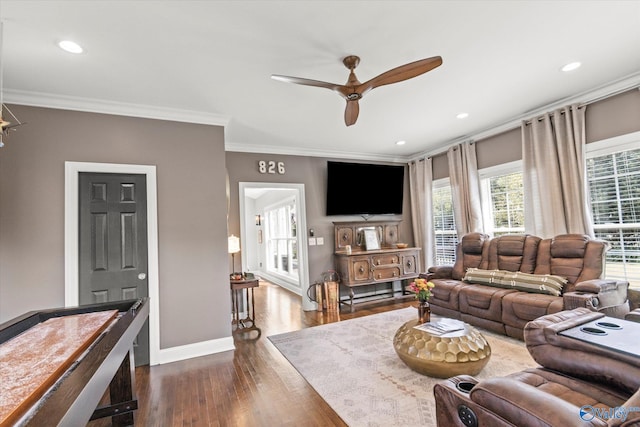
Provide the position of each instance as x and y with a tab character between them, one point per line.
271	167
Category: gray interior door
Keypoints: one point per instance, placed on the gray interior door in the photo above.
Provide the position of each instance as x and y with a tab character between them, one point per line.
113	243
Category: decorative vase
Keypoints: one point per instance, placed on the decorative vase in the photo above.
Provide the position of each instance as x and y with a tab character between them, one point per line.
424	311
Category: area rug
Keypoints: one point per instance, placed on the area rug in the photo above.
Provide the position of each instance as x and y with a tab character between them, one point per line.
353	366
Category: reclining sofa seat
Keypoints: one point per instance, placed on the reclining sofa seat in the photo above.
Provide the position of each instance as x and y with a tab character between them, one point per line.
575	257
570	376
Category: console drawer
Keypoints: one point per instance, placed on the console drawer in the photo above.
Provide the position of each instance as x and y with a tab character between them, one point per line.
386	259
387	273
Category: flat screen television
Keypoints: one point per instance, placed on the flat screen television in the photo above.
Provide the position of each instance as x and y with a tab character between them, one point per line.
364	189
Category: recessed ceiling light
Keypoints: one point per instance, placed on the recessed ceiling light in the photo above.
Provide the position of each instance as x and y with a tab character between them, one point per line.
571	66
69	46
462	115
401	142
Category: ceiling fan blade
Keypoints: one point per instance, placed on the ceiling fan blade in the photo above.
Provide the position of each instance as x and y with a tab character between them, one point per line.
403	72
308	82
351	112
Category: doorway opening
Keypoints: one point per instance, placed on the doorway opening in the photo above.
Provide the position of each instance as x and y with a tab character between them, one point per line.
273	238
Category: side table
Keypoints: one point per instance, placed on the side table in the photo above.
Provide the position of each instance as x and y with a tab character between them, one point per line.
247	324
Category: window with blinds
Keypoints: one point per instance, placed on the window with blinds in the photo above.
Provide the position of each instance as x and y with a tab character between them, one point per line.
444	223
506	204
614	189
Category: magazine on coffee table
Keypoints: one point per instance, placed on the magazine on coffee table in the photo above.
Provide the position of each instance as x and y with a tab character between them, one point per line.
441	327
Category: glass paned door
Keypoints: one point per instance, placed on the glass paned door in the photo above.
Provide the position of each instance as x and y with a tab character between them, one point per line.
281	239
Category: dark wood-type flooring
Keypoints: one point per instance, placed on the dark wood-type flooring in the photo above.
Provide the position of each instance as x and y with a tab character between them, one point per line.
254	385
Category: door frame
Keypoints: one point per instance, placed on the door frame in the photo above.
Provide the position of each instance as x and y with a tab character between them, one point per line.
303	254
71	247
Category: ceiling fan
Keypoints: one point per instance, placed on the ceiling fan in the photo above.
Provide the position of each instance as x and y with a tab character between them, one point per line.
353	90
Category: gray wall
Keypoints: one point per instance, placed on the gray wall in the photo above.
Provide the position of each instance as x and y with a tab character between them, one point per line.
611	117
192	230
312	172
191	162
614	116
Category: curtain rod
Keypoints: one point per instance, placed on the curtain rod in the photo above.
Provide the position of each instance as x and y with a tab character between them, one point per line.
541	118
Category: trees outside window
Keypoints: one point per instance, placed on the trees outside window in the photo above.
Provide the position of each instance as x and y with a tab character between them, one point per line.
503	199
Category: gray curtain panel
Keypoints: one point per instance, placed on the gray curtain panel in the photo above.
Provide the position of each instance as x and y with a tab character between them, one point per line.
421	190
465	188
555	185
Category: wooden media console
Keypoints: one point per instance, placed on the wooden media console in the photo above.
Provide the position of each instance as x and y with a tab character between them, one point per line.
361	267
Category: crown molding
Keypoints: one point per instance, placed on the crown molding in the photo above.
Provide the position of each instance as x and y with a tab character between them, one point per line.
608	90
599	93
311	152
48	100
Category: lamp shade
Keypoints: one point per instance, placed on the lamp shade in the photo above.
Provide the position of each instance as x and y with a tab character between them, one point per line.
234	244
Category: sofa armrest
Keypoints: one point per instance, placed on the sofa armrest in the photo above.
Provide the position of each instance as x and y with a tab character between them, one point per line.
633	315
597	286
522	404
608	296
573	300
438	272
581	359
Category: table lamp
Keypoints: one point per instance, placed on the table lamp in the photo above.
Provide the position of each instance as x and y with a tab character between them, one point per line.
234	248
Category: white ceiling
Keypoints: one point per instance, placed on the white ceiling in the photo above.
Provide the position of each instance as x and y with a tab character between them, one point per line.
211	61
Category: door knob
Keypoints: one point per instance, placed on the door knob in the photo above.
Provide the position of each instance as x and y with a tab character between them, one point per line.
142	276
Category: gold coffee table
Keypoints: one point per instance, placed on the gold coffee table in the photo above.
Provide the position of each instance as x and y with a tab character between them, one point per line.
464	351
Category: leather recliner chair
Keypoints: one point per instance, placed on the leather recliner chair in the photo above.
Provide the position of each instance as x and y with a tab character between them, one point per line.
577	384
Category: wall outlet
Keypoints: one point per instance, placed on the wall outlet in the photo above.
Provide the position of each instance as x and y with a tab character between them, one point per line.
312	241
320	240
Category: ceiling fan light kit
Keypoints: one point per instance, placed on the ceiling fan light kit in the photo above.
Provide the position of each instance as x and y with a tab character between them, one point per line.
353	90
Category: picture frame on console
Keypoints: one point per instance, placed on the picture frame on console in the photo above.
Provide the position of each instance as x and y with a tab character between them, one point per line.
371	241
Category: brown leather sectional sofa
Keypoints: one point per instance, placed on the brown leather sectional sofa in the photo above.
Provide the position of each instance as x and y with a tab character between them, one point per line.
578	383
504	308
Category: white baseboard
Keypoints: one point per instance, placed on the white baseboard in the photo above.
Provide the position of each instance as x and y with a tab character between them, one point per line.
175	354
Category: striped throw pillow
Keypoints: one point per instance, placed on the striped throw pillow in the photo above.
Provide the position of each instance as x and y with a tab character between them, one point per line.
484	277
536	283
